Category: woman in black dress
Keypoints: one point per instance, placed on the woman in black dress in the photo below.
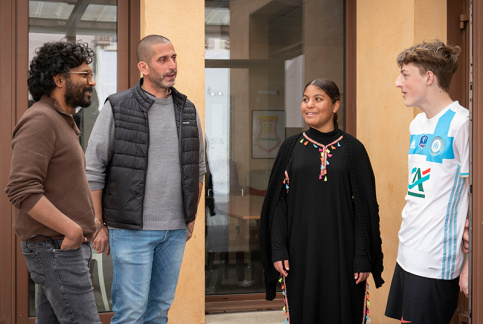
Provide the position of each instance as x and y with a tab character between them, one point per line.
320	221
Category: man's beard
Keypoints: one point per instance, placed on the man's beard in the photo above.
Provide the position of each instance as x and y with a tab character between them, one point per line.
75	95
157	80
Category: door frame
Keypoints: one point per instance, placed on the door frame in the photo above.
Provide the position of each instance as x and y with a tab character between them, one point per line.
14	27
476	228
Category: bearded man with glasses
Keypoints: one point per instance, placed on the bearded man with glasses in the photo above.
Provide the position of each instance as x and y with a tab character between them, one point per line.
54	214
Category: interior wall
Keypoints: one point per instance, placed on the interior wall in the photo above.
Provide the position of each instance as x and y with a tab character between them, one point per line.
382	119
324	45
183	22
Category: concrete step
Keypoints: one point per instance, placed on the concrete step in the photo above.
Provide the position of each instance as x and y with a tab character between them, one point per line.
259	317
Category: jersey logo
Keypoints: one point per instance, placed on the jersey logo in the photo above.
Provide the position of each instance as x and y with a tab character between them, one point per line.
418	176
437	146
423	140
413	145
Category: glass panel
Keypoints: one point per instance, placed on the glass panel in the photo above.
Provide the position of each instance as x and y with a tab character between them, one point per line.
94	22
259	56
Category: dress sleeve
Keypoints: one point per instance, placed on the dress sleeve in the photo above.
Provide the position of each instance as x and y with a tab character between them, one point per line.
280	230
362	262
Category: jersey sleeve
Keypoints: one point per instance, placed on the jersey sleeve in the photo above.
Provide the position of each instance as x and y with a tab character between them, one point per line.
461	145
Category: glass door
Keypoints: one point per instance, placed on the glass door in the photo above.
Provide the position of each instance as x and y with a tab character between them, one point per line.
259	55
93	22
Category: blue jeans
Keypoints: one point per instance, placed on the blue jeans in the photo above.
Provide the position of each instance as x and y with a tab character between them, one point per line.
65	293
146	267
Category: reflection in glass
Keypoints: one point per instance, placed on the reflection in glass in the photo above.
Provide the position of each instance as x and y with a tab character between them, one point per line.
259	56
94	22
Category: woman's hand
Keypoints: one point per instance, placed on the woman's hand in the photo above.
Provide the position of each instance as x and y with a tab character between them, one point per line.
361	277
101	241
282	267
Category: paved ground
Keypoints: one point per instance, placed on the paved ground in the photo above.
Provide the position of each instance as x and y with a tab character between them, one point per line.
259	317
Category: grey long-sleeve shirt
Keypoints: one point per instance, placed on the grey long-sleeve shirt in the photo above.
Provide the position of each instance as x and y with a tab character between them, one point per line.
163	208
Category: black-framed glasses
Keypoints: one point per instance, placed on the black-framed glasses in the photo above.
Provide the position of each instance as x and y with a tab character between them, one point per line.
88	74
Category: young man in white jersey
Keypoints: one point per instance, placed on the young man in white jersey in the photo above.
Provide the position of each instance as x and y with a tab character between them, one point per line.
424	289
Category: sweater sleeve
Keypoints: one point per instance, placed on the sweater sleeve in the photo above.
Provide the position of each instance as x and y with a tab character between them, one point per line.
33	145
100	148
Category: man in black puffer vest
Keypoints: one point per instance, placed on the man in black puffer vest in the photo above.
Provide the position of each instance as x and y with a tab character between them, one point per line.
145	167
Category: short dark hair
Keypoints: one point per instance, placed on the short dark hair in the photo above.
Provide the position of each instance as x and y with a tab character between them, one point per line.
144	50
331	89
433	56
54	58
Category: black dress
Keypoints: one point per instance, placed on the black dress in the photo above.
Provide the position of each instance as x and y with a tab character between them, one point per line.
315	228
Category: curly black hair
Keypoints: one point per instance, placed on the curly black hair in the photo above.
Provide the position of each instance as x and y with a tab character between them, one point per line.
55	58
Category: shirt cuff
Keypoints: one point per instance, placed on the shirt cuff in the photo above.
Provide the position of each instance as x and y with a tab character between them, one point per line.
96	185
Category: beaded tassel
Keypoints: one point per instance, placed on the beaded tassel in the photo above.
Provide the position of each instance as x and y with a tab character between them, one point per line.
285	300
324	153
365	314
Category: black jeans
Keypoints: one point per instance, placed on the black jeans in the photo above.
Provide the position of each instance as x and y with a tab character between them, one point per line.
65	293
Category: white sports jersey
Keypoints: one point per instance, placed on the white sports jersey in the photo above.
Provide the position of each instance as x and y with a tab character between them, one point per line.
433	222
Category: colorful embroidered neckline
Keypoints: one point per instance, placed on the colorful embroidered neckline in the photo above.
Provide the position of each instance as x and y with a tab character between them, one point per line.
324	153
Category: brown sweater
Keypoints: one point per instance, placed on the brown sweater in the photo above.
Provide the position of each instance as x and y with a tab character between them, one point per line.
47	160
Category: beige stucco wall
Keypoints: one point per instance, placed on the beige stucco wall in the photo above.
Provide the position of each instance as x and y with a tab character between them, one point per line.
384	28
183	22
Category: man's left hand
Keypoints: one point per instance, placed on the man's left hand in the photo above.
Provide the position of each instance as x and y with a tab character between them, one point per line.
189	232
101	241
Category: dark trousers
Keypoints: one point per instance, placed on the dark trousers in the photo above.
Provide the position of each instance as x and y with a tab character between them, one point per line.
65	293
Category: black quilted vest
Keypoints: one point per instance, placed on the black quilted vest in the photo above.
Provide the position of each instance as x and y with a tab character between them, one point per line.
123	195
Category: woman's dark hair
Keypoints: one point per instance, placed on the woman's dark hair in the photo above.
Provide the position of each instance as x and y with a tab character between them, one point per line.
331	89
55	58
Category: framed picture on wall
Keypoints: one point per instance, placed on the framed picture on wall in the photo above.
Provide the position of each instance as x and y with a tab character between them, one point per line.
268	133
